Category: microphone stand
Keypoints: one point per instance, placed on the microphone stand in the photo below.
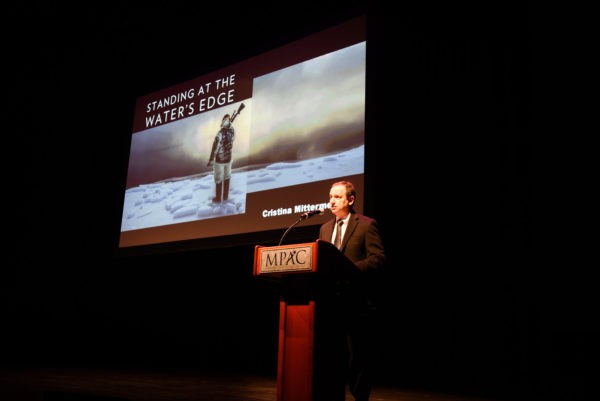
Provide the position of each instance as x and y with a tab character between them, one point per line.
289	228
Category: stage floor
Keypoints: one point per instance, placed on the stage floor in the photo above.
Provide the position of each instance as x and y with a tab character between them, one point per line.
60	384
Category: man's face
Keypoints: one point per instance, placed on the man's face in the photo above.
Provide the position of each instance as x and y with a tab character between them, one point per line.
226	123
338	202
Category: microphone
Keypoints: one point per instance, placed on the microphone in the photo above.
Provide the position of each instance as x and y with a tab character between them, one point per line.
303	216
308	215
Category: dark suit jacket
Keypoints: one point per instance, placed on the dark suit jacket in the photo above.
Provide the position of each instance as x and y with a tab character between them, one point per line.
363	245
362	242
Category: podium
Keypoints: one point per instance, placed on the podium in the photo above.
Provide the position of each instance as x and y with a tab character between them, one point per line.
311	347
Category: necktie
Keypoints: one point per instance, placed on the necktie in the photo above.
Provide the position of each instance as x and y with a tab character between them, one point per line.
338	235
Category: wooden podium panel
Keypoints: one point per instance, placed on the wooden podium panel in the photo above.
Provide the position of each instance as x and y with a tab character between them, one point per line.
296	352
306	364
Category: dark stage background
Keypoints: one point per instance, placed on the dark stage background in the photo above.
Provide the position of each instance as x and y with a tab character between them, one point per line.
468	305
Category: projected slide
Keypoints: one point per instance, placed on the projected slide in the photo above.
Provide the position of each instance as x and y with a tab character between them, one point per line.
243	148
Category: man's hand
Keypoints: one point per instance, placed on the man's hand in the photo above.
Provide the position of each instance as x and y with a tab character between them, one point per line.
210	163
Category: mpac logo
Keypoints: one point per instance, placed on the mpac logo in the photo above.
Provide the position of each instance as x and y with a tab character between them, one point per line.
286	259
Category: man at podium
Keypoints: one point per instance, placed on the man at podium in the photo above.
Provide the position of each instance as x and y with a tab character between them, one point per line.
358	238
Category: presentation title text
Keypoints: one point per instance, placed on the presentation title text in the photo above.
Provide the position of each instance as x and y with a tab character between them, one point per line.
204	97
